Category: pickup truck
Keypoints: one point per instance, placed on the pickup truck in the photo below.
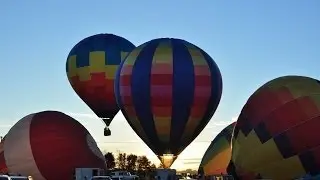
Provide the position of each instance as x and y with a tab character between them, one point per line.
123	175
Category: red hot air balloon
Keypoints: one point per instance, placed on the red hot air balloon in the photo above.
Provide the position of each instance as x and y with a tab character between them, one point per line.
49	145
3	166
91	68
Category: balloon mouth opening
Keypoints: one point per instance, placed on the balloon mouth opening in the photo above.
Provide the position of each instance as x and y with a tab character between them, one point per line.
107	131
167	160
107	121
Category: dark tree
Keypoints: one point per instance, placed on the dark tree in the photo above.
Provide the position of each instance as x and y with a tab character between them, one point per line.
153	166
110	160
160	165
131	162
143	163
122	161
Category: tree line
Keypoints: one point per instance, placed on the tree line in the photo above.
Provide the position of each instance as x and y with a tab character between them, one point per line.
128	162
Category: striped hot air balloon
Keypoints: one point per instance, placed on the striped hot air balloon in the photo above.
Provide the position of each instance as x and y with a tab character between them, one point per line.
168	90
217	157
277	133
91	68
50	145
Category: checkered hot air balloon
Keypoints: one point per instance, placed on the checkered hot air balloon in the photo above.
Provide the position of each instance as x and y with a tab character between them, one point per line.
217	157
168	89
50	145
277	133
91	67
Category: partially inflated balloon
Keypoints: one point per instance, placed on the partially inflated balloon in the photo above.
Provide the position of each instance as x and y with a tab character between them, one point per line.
216	159
3	166
50	145
277	133
168	90
91	68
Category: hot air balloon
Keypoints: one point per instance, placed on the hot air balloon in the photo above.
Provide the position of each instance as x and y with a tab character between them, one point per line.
216	159
277	133
91	67
3	166
49	145
168	89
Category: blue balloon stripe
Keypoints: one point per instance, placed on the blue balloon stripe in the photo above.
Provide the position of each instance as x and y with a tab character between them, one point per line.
140	90
121	106
183	91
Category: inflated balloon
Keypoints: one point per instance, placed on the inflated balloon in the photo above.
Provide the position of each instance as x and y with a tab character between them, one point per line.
91	67
3	166
49	145
217	157
168	90
277	133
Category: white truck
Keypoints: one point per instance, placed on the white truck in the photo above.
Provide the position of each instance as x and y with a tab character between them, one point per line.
123	175
166	174
89	173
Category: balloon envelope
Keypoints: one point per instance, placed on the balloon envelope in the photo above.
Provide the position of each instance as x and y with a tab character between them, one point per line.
277	133
3	166
91	68
168	90
49	145
217	157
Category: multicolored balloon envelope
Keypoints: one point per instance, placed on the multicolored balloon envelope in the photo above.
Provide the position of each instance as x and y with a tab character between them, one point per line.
277	133
91	68
49	145
168	90
217	157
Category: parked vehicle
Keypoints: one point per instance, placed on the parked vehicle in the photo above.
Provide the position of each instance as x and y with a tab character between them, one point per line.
101	178
166	174
87	173
123	175
6	177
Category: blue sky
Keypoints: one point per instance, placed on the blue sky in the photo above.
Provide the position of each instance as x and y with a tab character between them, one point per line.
251	41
